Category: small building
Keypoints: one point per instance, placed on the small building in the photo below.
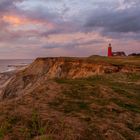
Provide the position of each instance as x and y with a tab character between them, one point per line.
134	54
118	54
110	53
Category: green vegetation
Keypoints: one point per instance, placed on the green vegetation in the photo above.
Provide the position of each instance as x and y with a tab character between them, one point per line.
120	61
95	89
7	126
131	107
34	125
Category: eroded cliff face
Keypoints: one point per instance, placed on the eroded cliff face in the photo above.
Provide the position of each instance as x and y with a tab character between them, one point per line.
68	68
43	69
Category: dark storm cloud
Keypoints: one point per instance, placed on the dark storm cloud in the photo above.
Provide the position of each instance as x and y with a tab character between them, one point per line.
132	2
8	5
109	20
72	44
61	28
105	16
42	14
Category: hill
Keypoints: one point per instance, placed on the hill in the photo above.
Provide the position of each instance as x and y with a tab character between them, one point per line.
95	98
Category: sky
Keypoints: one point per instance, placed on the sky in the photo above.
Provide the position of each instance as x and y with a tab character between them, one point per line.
47	28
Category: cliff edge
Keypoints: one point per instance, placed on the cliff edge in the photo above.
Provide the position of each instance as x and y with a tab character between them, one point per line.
43	69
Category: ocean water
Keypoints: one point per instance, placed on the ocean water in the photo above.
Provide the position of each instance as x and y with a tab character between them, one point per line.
10	65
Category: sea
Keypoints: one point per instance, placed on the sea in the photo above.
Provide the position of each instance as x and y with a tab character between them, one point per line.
11	65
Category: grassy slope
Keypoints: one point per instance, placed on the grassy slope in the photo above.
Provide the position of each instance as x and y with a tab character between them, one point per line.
104	98
95	108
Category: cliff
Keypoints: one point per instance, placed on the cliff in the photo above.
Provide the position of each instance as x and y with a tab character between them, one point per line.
95	98
68	68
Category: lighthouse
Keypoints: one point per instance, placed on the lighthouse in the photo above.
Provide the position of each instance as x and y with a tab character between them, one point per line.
109	50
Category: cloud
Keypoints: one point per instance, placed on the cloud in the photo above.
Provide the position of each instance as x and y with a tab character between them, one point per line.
122	21
8	5
68	27
72	44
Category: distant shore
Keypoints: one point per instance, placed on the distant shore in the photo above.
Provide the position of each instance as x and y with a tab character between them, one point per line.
12	68
12	65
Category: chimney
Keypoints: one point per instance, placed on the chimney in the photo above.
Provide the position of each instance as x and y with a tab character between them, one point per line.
109	50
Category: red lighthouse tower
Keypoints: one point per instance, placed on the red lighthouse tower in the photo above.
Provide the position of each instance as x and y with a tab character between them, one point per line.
109	50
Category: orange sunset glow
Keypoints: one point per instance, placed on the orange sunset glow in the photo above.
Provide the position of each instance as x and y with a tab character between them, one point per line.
16	21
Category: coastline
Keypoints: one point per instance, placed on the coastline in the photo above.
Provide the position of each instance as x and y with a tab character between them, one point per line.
13	68
5	76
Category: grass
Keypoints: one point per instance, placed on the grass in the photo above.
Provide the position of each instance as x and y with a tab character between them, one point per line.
69	106
29	129
120	61
89	89
5	128
35	126
130	107
82	106
78	106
